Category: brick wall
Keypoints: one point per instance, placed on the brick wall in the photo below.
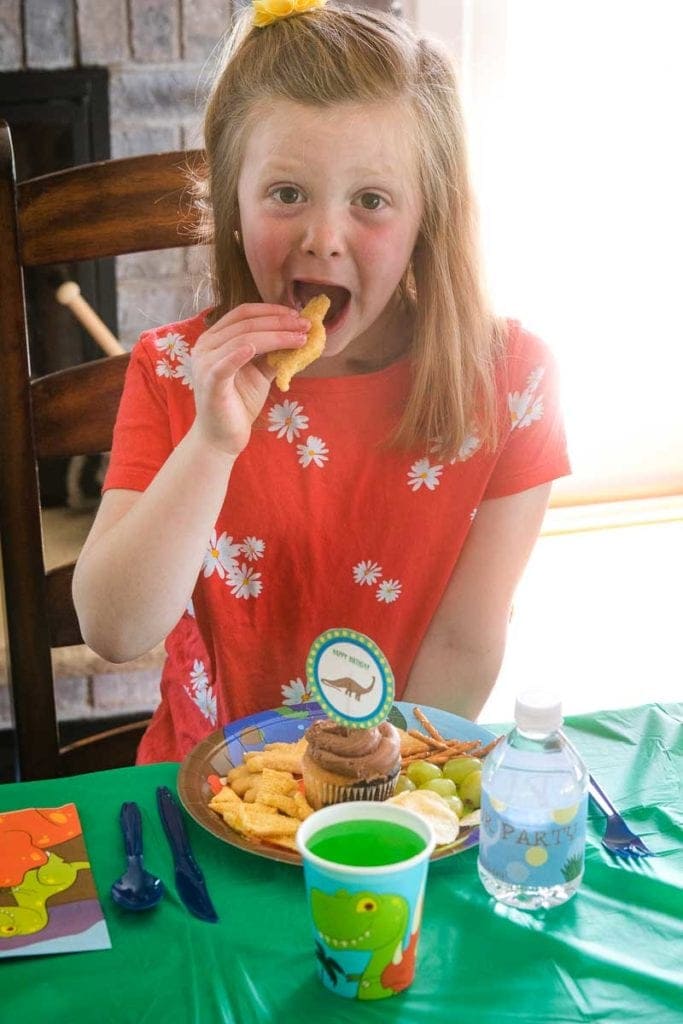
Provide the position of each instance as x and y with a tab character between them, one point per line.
155	51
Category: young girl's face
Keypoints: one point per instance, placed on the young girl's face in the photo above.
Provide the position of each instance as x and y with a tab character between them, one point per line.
329	201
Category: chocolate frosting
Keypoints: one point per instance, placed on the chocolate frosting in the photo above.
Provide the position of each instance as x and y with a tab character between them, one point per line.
354	753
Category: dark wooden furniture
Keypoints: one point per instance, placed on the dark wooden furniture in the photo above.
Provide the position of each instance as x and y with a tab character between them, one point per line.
91	211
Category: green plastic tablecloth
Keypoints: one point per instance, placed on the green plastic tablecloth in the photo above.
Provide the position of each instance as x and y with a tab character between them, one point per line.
614	953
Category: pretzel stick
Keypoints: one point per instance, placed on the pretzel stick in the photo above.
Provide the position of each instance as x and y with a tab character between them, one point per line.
489	747
423	720
449	753
427	740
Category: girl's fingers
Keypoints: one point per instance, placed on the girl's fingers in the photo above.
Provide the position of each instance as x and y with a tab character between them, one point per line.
261	342
280	325
231	362
250	311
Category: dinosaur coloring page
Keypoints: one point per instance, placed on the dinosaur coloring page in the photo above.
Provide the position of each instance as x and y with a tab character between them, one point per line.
48	900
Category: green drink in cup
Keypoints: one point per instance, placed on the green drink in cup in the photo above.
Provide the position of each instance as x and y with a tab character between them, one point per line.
365	868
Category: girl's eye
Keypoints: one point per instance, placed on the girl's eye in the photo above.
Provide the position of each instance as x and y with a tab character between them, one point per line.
287	194
371	201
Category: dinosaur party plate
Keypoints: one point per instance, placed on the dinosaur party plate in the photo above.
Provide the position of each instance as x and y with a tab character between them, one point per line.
224	749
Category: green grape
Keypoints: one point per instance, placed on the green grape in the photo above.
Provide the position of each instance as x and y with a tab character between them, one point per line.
422	771
444	787
404	784
469	790
455	804
458	767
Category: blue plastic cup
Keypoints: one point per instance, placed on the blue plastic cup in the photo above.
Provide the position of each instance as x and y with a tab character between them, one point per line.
365	869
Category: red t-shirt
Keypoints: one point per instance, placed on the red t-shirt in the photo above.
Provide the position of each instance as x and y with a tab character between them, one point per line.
322	527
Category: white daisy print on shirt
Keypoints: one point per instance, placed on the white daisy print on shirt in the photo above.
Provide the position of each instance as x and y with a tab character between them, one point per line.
423	474
252	548
535	378
201	693
295	692
164	369
244	581
367	573
286	418
315	450
388	591
221	555
525	408
183	371
172	347
470	445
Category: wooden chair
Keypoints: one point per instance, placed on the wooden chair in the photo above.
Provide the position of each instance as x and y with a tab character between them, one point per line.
92	211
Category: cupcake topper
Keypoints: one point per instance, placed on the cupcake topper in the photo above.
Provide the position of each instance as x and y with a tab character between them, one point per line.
350	678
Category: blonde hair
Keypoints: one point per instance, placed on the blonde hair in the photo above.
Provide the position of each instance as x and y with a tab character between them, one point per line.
328	57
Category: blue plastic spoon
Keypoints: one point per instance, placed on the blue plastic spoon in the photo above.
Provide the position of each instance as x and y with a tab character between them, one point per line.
136	889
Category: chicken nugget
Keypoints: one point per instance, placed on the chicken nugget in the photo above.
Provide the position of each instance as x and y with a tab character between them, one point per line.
242	784
271	781
299	746
288	361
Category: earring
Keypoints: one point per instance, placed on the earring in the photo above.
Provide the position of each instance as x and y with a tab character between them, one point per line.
238	239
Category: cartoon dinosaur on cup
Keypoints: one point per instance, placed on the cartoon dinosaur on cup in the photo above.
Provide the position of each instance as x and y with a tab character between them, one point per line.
367	921
31	896
350	687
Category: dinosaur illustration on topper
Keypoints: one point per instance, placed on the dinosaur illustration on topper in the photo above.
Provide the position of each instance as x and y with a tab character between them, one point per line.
350	687
334	659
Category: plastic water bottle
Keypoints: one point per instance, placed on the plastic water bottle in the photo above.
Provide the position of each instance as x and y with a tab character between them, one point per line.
533	810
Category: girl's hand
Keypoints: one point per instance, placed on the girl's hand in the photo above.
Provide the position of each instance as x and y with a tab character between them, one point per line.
231	380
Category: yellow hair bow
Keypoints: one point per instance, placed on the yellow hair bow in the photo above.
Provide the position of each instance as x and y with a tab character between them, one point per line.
268	11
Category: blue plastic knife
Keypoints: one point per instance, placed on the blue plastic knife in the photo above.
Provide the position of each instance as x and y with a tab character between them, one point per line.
188	878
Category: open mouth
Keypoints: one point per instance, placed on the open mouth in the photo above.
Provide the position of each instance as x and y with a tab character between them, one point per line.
304	291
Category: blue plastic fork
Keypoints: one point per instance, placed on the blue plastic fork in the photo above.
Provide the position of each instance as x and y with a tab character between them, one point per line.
618	838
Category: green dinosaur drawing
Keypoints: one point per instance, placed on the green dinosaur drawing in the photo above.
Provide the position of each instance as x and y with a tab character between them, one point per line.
572	868
363	921
30	914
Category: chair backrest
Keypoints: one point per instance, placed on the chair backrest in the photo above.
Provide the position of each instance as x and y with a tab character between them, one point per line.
97	210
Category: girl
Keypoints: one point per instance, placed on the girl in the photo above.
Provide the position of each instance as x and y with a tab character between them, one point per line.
399	486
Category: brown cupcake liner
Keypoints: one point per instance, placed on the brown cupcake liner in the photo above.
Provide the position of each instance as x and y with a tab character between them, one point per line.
322	793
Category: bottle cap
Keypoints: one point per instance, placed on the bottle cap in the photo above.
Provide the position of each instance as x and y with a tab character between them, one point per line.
538	711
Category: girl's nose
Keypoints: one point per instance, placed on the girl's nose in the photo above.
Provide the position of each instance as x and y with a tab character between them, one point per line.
323	236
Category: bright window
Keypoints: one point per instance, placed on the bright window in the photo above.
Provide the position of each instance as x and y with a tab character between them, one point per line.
574	112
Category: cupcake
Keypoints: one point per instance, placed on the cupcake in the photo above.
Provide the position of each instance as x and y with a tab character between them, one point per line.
350	764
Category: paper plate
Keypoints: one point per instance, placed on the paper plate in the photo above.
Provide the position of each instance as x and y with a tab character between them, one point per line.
224	749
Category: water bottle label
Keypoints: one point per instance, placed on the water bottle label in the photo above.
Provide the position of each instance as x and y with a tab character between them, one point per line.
543	849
